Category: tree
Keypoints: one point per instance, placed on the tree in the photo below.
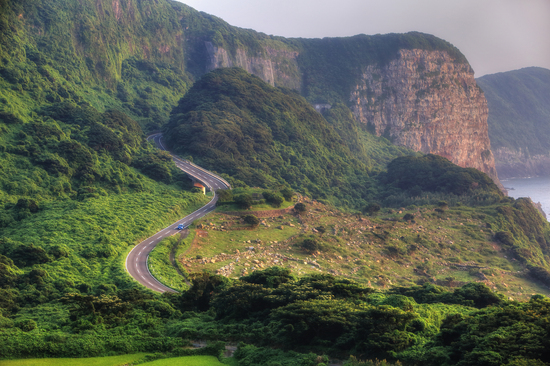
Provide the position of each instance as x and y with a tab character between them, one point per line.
271	277
28	255
505	237
8	272
273	198
251	220
287	193
310	245
372	209
244	201
224	195
408	217
300	207
203	288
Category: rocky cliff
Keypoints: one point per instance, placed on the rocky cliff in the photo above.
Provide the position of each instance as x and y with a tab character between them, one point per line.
422	99
425	101
519	121
275	66
520	163
414	88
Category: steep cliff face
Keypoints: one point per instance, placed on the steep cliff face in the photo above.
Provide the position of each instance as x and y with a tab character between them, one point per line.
520	163
425	101
519	121
277	67
415	89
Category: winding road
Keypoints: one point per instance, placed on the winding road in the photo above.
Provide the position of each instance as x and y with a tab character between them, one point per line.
136	261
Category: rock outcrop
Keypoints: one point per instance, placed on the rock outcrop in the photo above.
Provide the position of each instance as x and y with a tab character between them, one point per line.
423	100
511	163
519	121
274	66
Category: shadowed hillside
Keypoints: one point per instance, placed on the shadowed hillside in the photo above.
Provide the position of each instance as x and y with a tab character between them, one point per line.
519	120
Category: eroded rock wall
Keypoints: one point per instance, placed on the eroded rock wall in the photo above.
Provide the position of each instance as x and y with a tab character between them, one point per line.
511	163
422	100
274	66
428	103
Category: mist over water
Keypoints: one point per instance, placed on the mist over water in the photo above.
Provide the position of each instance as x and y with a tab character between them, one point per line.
537	188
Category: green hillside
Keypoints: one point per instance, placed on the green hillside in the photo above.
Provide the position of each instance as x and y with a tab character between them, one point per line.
81	85
233	122
140	57
79	185
519	112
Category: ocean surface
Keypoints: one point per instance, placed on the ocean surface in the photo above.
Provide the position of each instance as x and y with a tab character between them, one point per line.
537	188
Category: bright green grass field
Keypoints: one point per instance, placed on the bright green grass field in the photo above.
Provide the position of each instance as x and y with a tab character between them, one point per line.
115	361
186	361
94	361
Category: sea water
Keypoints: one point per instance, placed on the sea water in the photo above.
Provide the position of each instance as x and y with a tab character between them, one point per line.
537	188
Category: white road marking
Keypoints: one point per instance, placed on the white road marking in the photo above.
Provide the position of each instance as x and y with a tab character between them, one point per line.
211	181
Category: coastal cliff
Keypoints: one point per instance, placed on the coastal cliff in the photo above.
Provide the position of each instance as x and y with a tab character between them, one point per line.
277	67
511	163
426	102
422	99
415	89
519	121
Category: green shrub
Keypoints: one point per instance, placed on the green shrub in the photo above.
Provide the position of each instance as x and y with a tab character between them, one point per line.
310	245
300	207
251	220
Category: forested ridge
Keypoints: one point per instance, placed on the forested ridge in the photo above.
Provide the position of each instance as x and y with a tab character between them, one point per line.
519	120
82	83
518	117
234	123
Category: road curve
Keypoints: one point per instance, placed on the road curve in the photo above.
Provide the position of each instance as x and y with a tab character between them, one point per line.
136	261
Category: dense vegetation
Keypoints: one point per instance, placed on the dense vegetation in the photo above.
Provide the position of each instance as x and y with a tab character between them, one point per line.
319	313
80	82
431	177
235	123
470	326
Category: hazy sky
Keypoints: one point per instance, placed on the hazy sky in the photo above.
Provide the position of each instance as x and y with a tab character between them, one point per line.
495	35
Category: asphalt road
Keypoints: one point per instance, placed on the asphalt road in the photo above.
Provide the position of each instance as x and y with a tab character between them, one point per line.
136	262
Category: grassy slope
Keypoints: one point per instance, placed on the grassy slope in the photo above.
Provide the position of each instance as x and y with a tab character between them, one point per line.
95	361
115	361
187	361
162	268
449	248
98	232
